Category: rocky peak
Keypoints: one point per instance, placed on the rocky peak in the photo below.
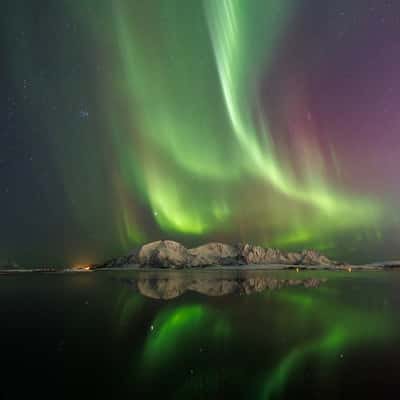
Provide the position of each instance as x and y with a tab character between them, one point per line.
164	253
215	254
170	254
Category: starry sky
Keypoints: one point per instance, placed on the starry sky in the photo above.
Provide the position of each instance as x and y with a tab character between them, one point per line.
271	122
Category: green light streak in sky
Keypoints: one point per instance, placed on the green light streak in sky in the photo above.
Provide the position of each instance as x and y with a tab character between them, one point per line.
233	34
198	136
192	134
191	80
182	149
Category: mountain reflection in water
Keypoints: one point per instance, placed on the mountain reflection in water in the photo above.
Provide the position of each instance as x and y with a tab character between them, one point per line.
166	288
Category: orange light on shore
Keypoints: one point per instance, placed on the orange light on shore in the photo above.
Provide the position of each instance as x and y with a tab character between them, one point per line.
85	267
349	269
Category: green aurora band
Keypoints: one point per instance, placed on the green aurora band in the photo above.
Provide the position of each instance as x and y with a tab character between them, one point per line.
187	148
196	134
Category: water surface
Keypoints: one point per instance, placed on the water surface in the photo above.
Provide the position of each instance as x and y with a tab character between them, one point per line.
200	335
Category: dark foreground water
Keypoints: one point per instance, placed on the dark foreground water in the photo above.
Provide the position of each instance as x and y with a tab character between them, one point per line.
207	335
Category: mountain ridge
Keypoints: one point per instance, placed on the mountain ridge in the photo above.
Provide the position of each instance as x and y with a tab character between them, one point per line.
172	254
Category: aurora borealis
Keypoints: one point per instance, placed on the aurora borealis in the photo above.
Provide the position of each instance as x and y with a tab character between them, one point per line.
270	122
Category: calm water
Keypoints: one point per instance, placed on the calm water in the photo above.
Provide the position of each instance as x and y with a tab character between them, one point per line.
206	335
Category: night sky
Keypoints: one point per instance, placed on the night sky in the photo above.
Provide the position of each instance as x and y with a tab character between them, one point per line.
271	122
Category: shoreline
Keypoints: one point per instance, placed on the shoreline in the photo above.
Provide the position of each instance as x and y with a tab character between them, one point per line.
372	267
